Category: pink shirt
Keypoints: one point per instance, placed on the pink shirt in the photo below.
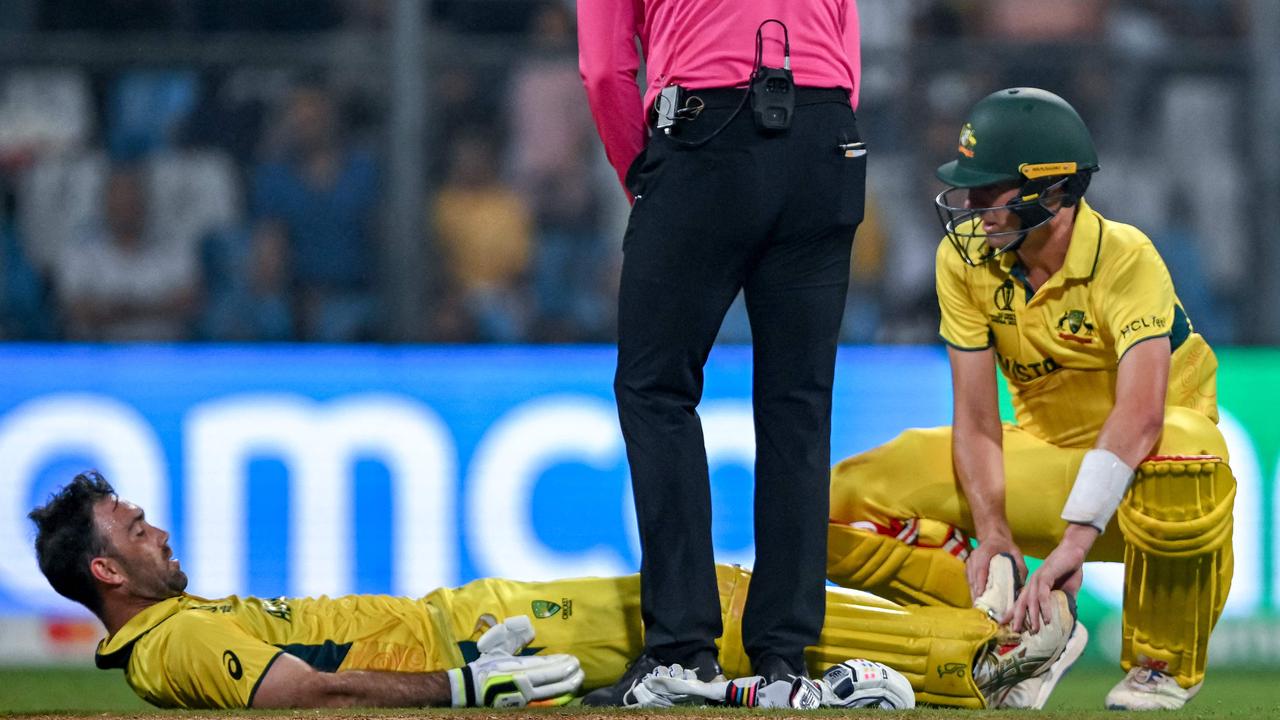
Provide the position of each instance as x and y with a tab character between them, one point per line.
702	44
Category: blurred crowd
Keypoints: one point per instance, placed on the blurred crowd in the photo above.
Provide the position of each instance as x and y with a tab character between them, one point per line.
145	202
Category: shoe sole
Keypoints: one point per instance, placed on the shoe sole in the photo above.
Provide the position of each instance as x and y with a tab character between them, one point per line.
1192	691
1070	654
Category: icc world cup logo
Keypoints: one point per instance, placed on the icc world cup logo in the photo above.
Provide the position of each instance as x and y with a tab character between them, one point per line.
1004	296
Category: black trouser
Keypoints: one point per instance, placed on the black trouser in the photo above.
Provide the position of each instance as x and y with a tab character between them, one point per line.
774	216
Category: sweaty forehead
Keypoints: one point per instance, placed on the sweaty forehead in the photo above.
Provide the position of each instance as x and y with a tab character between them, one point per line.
112	512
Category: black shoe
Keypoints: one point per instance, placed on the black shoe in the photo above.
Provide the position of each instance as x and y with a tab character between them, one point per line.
774	668
704	665
615	695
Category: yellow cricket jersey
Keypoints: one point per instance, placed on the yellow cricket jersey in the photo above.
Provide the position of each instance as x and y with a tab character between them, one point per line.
1059	348
190	652
195	653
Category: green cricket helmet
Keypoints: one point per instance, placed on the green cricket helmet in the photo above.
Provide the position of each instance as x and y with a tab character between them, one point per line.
1029	138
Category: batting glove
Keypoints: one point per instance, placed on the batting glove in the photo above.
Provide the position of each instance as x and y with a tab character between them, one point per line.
500	678
674	685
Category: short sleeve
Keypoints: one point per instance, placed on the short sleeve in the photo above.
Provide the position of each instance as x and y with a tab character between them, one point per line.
200	661
1136	298
964	326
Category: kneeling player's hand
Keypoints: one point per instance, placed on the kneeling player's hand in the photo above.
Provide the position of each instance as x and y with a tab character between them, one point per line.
979	562
1062	570
501	678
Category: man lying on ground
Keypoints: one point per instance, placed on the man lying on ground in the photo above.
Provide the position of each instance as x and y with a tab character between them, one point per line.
451	648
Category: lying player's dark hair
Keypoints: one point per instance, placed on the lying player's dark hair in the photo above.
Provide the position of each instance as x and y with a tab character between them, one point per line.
67	538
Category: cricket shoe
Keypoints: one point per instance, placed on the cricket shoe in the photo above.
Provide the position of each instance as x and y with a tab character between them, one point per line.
1012	657
1146	689
1003	586
1033	694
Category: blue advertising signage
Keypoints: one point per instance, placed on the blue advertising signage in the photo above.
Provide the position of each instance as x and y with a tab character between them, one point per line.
303	470
308	470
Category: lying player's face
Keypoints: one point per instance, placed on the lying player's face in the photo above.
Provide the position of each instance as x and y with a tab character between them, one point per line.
998	219
140	550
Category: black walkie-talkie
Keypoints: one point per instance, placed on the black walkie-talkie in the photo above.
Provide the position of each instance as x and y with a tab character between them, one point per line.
773	90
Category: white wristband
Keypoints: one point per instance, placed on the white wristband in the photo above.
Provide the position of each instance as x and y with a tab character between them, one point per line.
1100	485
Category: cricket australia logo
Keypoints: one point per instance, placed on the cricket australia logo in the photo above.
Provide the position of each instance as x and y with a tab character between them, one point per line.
1075	326
544	608
967	140
278	607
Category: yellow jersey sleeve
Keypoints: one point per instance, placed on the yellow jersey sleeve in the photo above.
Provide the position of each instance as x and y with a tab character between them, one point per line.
1137	298
964	326
198	660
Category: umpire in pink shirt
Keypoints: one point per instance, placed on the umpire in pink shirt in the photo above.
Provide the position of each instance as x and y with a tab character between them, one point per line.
737	185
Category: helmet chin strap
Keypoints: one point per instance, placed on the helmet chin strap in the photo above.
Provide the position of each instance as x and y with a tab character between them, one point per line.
1041	216
1013	245
1029	208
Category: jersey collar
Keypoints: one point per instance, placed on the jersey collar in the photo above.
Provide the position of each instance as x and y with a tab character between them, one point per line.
1086	244
114	651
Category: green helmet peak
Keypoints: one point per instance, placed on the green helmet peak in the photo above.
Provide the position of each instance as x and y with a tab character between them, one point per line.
1019	134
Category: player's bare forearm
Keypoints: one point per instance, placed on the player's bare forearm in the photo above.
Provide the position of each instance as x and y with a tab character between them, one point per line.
1079	538
387	689
1133	427
291	683
977	453
979	468
976	441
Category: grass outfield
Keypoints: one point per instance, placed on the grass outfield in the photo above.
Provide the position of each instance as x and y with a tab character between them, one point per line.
57	692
